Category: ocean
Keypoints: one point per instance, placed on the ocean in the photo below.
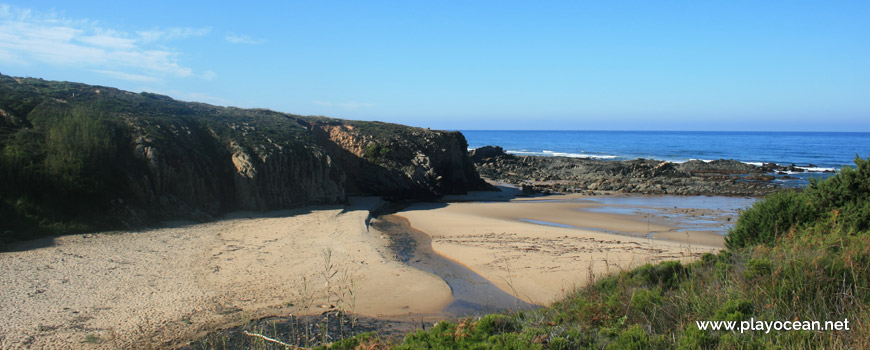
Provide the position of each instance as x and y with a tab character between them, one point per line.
815	152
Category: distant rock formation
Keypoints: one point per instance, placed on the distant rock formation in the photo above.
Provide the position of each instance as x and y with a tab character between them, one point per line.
75	157
487	154
592	176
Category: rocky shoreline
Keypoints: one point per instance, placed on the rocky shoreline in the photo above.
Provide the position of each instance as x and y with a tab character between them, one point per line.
543	174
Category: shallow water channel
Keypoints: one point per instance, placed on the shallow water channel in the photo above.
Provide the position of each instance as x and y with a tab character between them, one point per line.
472	294
685	213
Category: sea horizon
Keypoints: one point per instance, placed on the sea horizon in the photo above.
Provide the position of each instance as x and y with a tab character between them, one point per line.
815	154
677	131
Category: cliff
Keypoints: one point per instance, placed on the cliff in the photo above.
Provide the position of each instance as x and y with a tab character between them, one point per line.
397	161
76	157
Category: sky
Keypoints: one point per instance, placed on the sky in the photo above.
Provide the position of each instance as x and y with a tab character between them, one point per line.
460	65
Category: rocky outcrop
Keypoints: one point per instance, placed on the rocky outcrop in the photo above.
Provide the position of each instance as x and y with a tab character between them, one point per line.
83	157
402	163
719	166
487	154
591	176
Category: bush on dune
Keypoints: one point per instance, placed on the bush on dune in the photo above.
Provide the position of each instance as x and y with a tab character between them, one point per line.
844	198
770	218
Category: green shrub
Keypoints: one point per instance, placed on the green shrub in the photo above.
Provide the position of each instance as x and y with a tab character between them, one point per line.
757	267
494	324
734	310
374	152
353	342
770	218
559	343
843	198
708	258
695	339
666	274
632	338
646	300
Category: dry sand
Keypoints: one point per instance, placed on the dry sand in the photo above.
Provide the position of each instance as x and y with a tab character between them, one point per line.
539	263
167	286
135	289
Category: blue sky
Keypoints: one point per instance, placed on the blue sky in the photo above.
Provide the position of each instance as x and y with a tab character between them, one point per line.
609	65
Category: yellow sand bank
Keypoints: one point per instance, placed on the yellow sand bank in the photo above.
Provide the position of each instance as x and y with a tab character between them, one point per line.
538	263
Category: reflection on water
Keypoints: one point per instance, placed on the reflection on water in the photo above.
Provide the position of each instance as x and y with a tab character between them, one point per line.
547	223
681	202
556	224
686	213
472	294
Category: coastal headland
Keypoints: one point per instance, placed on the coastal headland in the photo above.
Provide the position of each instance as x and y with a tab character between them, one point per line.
84	158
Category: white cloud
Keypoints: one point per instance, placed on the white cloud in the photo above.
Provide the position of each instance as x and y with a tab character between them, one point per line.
26	37
126	76
322	103
171	34
108	41
243	39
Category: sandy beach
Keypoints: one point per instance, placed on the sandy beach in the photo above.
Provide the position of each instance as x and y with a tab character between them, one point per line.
161	287
541	263
167	286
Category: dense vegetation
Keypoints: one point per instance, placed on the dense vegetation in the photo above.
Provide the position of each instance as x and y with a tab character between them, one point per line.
795	256
844	199
66	149
51	153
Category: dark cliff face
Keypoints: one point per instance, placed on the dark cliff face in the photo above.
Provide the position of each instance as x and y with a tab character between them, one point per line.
203	166
75	157
400	162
